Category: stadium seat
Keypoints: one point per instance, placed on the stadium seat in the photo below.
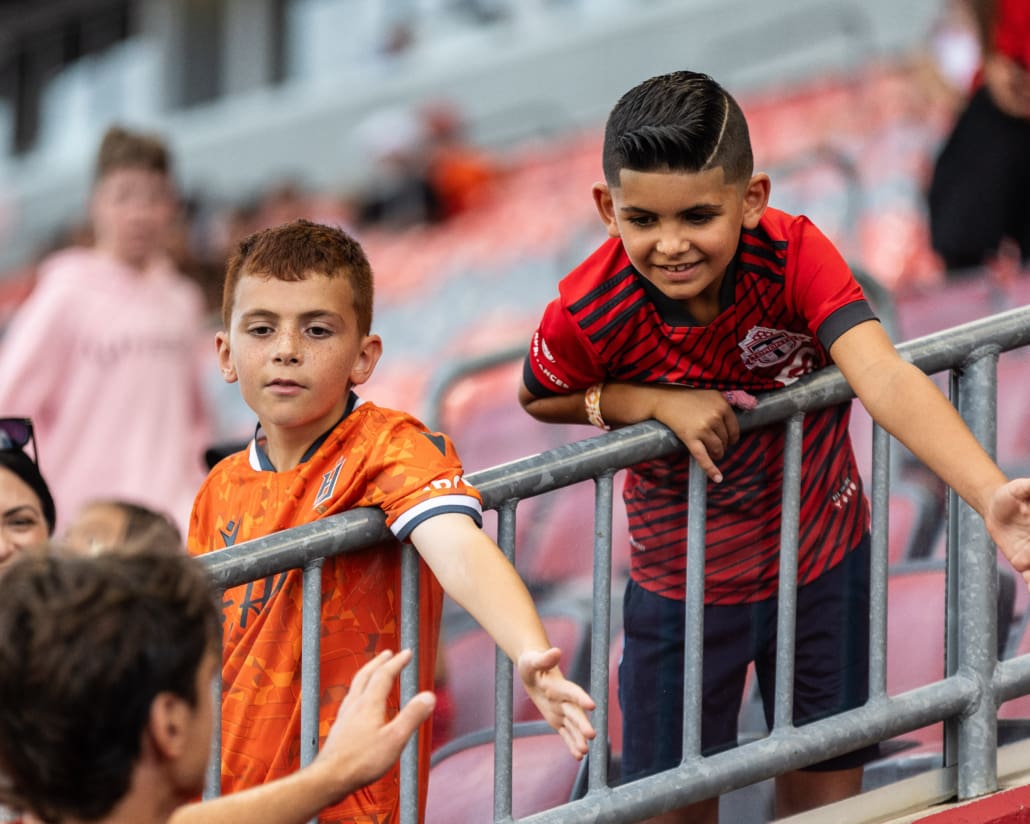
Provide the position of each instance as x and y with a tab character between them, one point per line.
915	522
915	657
468	653
562	545
461	775
926	310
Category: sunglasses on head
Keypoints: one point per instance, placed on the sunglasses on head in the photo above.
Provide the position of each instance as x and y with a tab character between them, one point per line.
16	433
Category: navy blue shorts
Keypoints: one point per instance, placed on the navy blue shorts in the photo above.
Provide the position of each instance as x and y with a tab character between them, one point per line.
831	665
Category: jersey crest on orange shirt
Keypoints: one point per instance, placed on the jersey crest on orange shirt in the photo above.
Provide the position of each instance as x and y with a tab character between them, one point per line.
328	487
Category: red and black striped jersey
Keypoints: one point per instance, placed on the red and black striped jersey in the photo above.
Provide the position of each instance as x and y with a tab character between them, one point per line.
785	298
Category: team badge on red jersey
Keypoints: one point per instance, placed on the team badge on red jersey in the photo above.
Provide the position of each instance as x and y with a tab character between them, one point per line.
764	347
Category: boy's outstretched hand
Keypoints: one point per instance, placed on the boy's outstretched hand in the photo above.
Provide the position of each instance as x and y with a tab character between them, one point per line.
563	703
362	744
1008	522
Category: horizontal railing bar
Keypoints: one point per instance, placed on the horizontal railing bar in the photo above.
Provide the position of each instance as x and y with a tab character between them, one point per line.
586	459
758	760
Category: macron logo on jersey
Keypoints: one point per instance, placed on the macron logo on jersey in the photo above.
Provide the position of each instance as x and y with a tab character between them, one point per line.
328	487
229	537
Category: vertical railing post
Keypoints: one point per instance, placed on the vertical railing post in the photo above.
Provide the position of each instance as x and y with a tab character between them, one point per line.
878	561
213	781
978	593
694	611
310	661
597	770
409	680
787	602
503	683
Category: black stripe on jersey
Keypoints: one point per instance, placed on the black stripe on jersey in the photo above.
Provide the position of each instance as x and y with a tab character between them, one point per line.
604	308
757	269
763	236
600	289
534	386
645	357
620	319
842	320
777	258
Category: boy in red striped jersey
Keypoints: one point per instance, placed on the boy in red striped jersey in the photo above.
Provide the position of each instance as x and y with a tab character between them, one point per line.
703	290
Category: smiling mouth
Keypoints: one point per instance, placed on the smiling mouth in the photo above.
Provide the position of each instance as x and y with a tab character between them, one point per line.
282	384
679	267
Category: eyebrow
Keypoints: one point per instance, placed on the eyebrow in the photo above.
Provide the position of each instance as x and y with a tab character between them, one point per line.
16	509
270	314
698	207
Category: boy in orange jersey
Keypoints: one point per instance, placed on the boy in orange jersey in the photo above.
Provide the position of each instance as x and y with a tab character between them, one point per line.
297	309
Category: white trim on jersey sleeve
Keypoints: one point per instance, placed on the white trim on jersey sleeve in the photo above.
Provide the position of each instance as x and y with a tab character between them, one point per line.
436	505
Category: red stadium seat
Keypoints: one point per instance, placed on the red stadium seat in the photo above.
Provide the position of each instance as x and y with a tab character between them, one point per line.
931	309
562	546
469	656
461	775
915	653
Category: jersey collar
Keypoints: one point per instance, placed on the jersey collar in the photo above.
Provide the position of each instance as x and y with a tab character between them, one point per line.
259	460
674	313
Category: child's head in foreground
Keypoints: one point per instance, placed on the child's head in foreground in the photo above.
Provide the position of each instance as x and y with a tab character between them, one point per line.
297	314
679	182
104	661
133	203
108	523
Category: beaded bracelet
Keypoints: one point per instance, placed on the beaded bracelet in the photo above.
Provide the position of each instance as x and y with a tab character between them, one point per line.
592	401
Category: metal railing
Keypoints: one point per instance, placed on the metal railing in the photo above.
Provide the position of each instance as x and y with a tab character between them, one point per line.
976	682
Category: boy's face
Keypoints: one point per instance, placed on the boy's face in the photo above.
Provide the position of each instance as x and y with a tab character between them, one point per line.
132	211
296	349
681	229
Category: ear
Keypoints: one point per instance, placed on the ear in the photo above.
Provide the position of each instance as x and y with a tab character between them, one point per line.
368	356
168	726
225	362
756	199
606	208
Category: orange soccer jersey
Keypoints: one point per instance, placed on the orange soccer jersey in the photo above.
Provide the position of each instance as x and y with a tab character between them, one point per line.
373	457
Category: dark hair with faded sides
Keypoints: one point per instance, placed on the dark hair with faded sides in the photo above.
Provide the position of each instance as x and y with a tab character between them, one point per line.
295	251
86	645
121	148
680	122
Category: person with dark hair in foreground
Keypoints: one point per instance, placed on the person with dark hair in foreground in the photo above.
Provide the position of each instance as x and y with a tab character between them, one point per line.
106	665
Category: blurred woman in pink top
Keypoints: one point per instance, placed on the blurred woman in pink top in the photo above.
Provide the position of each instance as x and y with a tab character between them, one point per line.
104	354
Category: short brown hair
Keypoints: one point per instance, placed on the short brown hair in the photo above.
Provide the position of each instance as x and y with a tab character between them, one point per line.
144	527
86	645
121	148
293	252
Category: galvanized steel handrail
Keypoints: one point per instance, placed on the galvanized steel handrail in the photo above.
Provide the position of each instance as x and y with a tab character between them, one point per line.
979	682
